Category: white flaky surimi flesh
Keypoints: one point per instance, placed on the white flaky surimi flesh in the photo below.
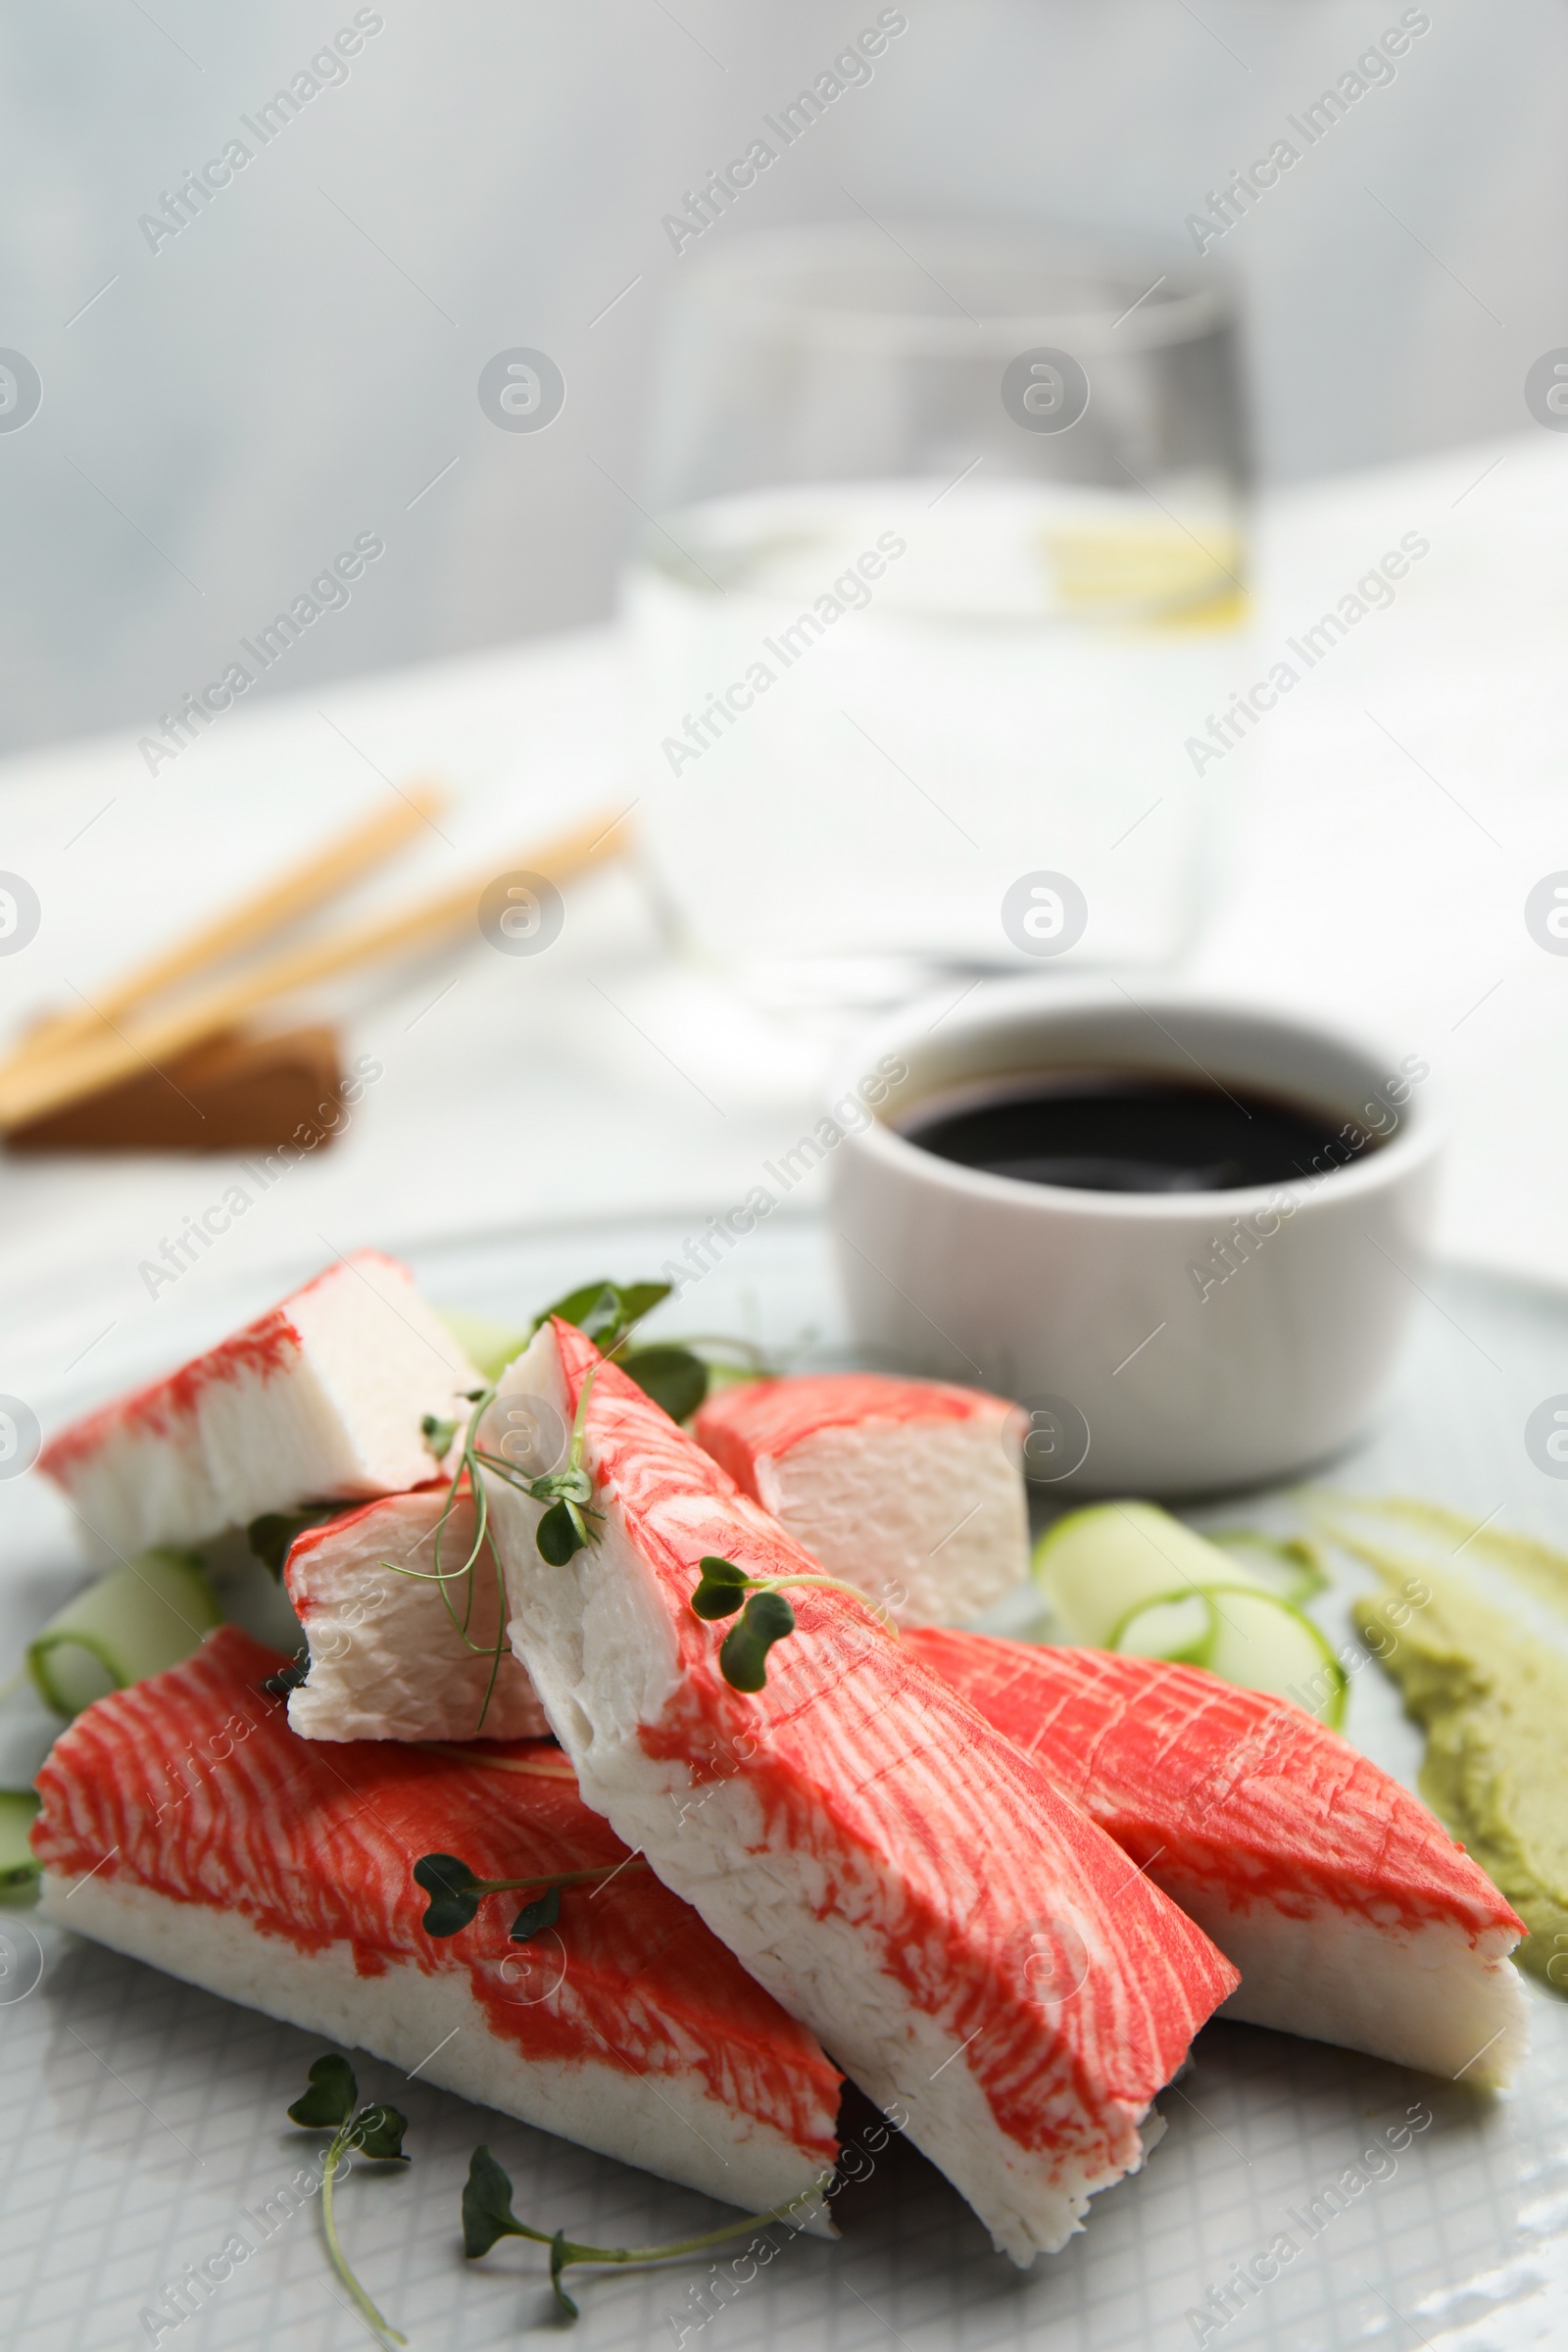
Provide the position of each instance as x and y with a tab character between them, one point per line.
320	1397
387	1661
912	1490
975	1954
1350	1911
184	1823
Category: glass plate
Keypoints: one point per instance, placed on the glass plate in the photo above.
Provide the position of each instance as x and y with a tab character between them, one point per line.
144	2121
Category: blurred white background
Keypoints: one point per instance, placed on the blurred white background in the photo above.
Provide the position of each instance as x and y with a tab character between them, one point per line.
299	367
299	363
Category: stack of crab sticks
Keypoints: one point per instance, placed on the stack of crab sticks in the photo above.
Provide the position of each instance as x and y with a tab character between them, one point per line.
698	1700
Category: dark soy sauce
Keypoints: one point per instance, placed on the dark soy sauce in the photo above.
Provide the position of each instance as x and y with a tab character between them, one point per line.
1115	1132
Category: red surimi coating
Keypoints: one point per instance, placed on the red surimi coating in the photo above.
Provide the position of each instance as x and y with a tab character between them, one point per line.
760	1417
1200	1781
192	1784
266	1346
309	1537
946	1850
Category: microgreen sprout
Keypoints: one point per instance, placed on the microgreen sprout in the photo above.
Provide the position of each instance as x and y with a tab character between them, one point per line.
487	2216
567	1526
606	1311
438	1435
765	1616
457	1893
675	1378
671	1374
668	1372
328	2105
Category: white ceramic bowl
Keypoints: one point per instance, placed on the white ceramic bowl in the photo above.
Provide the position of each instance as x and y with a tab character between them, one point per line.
1163	1342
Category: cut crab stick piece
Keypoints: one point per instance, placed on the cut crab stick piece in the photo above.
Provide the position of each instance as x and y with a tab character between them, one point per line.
320	1397
1350	1911
184	1824
975	1954
911	1489
389	1659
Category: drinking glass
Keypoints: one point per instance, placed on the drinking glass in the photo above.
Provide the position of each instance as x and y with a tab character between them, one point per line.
943	574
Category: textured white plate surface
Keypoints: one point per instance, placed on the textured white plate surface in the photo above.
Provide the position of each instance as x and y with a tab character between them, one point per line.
143	2123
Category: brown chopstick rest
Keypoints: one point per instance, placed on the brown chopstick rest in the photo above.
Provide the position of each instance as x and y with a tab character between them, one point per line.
233	1092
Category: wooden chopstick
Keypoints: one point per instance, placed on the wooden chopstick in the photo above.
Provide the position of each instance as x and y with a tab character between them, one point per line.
344	860
32	1088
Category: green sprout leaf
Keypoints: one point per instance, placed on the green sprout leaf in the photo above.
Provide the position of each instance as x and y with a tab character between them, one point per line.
438	1435
375	2132
606	1310
533	1919
675	1378
606	1313
766	1618
560	1535
330	2101
590	1305
456	1891
487	2218
565	1528
639	1299
487	2213
560	2255
723	1590
742	1653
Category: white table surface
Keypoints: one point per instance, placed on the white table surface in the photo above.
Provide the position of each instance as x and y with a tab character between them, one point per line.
1380	836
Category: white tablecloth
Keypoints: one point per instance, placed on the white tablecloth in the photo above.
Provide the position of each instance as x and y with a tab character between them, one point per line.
1381	833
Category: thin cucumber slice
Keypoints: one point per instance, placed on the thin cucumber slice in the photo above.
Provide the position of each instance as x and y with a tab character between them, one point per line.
1261	1643
489	1346
1179	1628
132	1623
1255	1640
19	1866
1290	1566
1097	1565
